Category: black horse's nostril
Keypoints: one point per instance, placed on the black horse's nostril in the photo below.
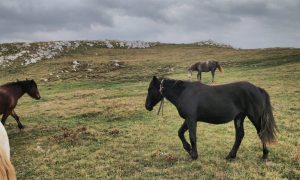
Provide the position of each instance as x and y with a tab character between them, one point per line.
148	107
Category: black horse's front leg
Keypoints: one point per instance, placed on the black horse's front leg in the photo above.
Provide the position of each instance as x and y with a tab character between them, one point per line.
14	115
192	126
181	132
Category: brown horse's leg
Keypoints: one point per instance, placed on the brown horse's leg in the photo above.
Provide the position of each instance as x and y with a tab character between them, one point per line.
199	76
14	114
213	76
4	117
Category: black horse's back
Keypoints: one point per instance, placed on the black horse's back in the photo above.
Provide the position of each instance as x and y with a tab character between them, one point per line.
214	104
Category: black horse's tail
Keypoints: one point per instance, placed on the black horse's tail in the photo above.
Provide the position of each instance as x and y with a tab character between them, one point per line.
268	126
219	67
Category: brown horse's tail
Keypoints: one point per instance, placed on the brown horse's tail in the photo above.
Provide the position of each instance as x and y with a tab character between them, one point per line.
219	67
268	128
7	170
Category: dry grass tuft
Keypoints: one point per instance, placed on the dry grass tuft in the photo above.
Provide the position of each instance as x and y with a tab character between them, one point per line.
72	134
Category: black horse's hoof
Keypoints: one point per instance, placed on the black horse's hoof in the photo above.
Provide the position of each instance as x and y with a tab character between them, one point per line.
230	158
193	155
264	158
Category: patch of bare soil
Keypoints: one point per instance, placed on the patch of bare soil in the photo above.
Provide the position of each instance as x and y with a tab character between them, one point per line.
72	134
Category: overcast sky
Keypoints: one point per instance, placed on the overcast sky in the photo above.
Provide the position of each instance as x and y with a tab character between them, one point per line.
241	23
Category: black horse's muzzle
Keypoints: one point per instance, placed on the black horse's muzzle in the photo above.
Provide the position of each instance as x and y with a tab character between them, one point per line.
149	108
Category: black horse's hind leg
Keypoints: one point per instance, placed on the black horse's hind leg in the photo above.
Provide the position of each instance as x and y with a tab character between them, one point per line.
239	134
255	122
265	152
181	132
14	114
192	126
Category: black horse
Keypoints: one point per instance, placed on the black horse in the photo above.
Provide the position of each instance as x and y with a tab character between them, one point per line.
205	67
216	105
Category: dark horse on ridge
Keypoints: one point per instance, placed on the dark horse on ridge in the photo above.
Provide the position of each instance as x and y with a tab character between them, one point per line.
9	95
205	67
216	105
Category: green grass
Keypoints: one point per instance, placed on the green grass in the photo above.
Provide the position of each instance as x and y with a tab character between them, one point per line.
93	125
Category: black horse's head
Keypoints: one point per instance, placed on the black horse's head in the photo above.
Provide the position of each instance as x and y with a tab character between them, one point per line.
31	89
154	96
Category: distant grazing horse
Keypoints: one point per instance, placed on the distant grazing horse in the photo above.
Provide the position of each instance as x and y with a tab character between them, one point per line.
216	105
9	95
205	67
7	170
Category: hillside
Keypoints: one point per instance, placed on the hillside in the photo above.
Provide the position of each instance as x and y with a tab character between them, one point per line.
91	122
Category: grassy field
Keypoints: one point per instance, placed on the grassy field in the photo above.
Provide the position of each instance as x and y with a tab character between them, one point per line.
92	124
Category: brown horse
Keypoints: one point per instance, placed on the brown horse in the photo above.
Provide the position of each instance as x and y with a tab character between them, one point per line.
9	95
205	67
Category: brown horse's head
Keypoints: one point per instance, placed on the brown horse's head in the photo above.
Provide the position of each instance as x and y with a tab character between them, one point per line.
31	89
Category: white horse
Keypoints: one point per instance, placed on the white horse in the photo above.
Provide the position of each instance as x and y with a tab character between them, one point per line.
7	170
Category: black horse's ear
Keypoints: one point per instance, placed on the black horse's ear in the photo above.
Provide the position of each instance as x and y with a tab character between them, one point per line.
17	80
155	81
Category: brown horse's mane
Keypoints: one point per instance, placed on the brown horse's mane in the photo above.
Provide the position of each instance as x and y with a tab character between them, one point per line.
15	83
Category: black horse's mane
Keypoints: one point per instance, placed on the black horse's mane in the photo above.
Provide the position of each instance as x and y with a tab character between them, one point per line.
179	82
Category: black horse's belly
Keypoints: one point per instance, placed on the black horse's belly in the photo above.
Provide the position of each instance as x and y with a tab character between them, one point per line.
215	119
218	114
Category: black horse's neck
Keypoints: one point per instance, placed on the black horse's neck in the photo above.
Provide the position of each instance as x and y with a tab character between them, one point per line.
172	89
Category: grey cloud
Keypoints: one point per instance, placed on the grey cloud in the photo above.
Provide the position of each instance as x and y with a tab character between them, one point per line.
243	23
45	16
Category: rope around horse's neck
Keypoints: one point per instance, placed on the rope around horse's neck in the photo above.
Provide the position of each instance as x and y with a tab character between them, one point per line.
161	106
